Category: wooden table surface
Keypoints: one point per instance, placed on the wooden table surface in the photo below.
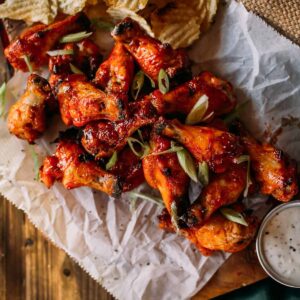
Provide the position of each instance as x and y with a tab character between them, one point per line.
32	268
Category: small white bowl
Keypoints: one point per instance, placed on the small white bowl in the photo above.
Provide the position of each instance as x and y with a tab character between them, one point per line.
259	249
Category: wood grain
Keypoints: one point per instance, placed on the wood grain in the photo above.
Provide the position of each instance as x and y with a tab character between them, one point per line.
32	268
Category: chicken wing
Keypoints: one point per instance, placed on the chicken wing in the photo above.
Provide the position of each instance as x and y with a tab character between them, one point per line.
129	169
275	173
74	168
27	117
223	189
86	57
150	54
182	99
81	102
218	148
35	41
218	233
164	173
115	75
101	139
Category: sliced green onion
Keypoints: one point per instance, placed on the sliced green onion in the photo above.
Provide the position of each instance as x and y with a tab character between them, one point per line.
102	24
208	116
151	81
137	84
173	148
75	37
163	81
233	216
28	64
145	147
187	163
140	135
203	173
112	161
152	199
2	98
174	215
235	113
239	160
75	70
60	52
36	163
198	111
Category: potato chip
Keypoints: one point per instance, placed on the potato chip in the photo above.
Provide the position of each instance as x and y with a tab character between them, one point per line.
179	23
29	11
134	5
211	7
71	7
119	13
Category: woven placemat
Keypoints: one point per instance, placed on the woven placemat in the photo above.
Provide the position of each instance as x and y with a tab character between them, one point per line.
284	15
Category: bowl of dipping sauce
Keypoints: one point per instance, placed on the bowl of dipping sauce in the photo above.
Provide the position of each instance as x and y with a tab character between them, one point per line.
278	244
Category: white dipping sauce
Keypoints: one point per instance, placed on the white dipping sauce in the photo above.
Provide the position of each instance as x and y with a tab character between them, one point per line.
281	244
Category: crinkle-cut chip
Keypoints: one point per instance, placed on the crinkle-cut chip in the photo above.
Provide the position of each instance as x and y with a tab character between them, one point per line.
71	7
29	11
134	5
178	22
179	35
211	7
120	13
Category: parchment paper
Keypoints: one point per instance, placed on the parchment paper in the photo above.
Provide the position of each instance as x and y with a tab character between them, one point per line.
125	251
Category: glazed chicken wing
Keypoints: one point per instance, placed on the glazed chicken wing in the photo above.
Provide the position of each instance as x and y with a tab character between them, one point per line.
27	117
129	168
218	233
35	41
184	97
275	173
164	173
218	148
222	190
74	168
81	102
116	73
86	57
150	54
101	139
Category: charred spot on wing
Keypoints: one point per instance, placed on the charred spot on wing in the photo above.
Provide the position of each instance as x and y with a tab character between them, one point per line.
85	157
122	27
72	133
167	172
122	109
160	125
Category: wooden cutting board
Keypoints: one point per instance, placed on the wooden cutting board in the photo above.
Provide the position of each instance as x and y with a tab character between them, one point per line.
32	268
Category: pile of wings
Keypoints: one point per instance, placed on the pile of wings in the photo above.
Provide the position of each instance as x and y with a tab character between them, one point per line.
127	130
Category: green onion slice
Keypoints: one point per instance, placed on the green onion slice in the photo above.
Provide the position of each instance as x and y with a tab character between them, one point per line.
203	173
187	163
151	81
75	70
239	160
28	63
60	52
112	161
140	135
163	81
36	163
2	98
173	148
102	24
75	37
198	111
233	216
152	199
145	147
137	84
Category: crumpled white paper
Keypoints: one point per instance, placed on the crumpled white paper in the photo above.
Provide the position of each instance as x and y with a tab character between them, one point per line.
126	252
